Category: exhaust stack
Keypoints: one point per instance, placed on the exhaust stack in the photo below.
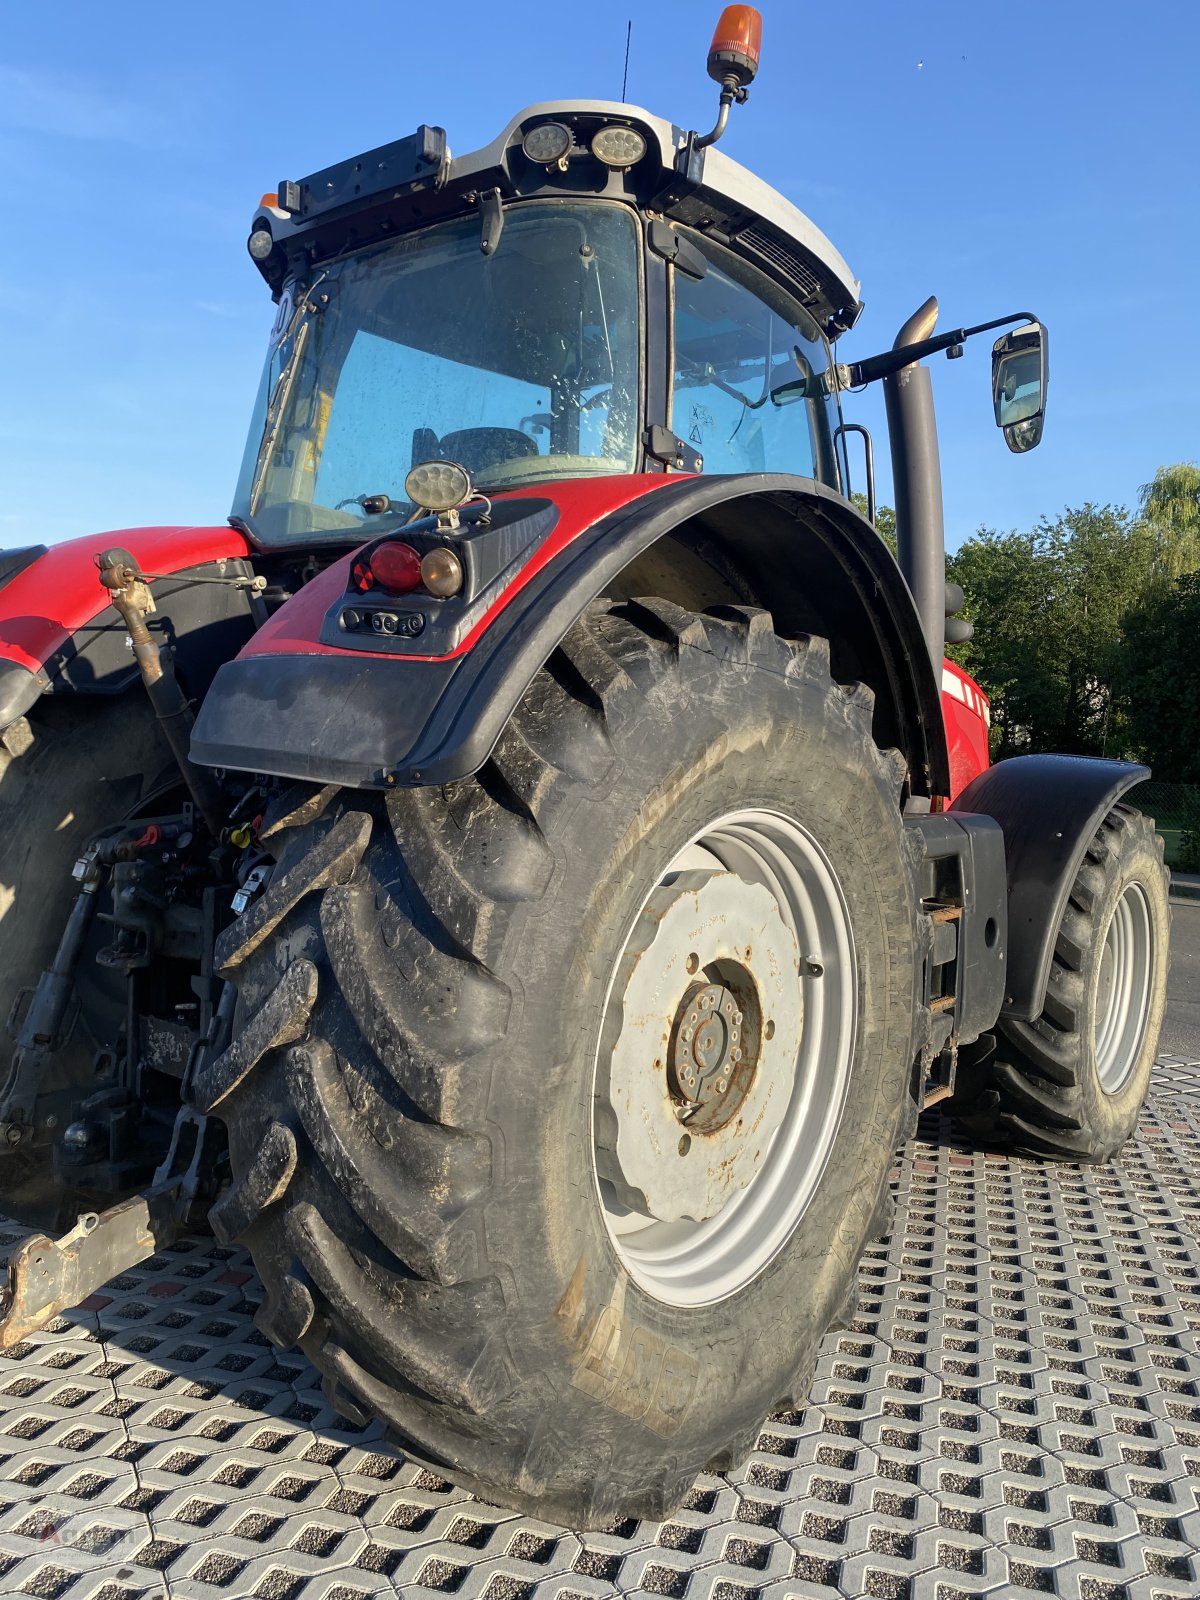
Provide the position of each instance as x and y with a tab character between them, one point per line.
917	484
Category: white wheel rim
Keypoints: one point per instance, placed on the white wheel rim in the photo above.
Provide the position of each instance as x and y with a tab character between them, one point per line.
750	867
1123	989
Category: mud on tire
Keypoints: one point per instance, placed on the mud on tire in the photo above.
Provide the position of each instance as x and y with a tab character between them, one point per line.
409	1099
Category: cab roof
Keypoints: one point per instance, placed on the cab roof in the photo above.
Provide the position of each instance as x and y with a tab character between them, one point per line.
722	177
417	180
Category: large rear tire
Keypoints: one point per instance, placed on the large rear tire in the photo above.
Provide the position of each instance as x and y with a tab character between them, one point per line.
435	1101
1070	1085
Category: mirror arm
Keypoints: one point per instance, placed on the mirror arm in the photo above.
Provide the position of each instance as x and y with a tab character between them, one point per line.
882	366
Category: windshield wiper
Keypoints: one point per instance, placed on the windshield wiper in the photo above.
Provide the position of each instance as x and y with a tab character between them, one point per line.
302	320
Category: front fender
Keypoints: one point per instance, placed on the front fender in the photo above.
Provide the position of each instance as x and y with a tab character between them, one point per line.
298	707
1048	808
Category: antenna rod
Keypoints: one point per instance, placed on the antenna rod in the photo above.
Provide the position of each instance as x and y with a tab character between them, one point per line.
628	37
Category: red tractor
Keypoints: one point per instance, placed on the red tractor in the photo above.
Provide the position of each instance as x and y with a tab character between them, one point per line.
524	873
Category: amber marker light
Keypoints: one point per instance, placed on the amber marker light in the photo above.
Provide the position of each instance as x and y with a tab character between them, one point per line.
736	45
442	573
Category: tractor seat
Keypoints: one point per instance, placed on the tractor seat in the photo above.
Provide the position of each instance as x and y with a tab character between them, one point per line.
481	449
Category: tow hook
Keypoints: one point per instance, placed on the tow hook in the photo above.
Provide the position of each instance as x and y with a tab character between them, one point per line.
47	1276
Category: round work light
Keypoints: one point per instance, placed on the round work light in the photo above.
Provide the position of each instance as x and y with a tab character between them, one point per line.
618	147
438	485
547	143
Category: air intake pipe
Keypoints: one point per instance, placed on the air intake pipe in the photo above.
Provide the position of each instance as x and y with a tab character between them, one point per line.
917	484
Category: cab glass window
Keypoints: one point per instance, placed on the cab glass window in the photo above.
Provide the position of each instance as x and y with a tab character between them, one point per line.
521	365
749	365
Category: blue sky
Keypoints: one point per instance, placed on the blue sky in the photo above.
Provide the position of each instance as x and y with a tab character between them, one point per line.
1003	156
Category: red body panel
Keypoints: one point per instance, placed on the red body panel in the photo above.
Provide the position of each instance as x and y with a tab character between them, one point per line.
295	629
61	592
965	713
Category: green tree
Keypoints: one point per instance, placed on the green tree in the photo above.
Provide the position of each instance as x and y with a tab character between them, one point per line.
1085	632
1048	608
1170	503
885	520
1158	681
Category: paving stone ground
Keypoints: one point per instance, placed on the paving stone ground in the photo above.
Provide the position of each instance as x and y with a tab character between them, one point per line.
1015	1410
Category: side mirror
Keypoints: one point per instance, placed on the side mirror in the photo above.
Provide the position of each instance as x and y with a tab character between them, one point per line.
1020	375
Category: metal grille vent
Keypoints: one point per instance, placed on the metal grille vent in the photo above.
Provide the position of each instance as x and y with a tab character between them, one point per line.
771	248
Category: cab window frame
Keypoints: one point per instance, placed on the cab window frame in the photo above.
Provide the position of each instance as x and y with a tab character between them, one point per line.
300	283
784	304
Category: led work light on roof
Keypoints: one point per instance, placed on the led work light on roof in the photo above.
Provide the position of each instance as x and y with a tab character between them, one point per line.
260	243
438	485
547	144
618	147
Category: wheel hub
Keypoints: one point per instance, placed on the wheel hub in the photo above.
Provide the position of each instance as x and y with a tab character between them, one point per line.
1122	989
702	1064
707	1030
715	1047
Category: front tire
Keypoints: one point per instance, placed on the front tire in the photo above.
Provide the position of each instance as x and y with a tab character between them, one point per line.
1070	1084
424	1131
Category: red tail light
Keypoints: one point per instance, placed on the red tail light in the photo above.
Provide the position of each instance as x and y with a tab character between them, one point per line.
394	567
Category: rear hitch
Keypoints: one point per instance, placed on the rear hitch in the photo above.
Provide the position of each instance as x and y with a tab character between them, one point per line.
48	1276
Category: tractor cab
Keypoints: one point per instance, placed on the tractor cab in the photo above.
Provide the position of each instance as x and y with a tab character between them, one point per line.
596	292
